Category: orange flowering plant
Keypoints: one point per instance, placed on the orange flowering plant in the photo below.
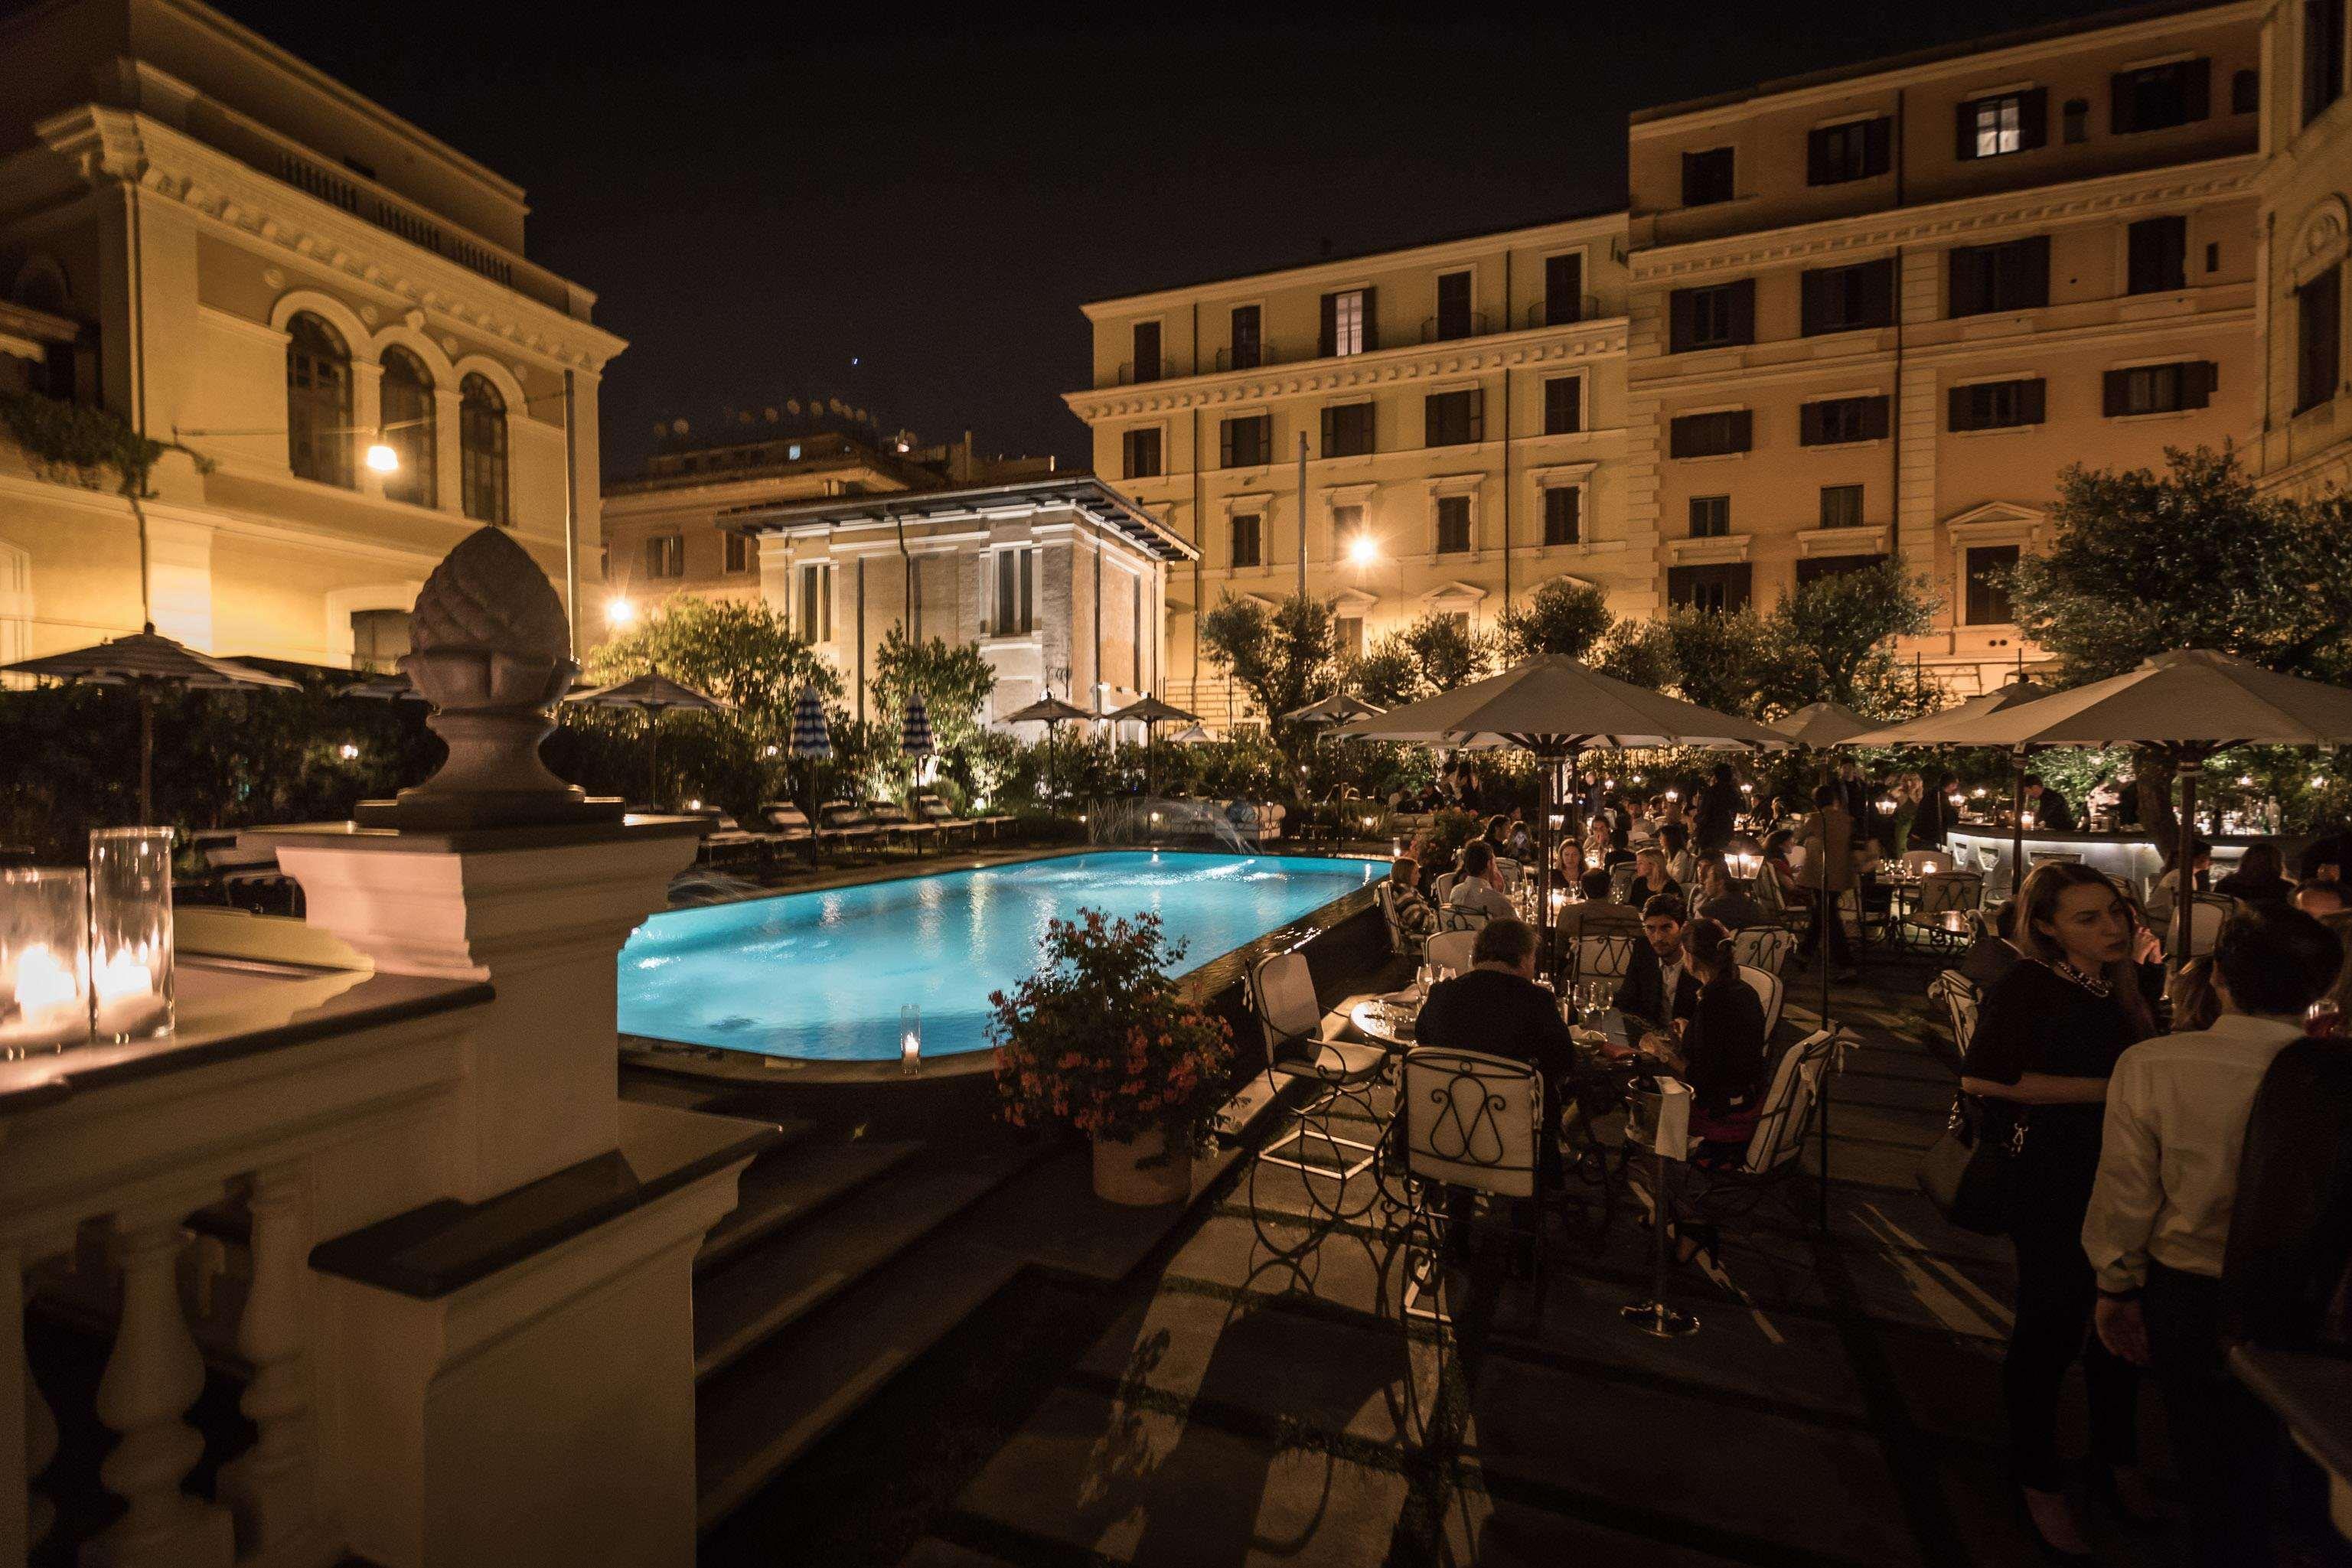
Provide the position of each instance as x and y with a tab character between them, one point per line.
1099	1039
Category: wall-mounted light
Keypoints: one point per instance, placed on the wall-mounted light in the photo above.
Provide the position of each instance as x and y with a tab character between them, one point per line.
382	458
619	610
1363	549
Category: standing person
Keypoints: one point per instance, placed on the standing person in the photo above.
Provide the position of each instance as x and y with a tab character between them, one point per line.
1854	791
2048	1036
2259	877
1717	813
2165	897
1828	839
1934	820
2051	812
2159	1219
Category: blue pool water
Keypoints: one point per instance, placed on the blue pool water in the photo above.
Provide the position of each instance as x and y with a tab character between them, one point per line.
824	973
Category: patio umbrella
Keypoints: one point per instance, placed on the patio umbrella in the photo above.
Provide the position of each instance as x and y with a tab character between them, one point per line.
915	735
1192	735
1937	728
1334	710
1818	725
2188	704
1053	712
1151	713
653	694
148	663
392	687
812	742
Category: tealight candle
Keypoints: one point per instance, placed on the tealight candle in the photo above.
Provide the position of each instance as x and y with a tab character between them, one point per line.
43	959
911	1040
131	931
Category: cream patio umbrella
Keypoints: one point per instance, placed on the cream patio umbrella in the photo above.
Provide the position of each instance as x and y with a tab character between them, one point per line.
1937	728
652	694
1053	712
2188	704
1151	713
1818	725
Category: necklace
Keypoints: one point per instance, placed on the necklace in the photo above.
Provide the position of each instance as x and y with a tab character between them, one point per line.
2097	988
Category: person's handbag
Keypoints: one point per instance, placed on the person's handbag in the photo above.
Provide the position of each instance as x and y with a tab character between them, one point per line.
1968	1173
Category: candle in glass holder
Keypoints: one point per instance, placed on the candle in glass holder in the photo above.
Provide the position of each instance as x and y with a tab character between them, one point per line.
131	931
910	1039
43	959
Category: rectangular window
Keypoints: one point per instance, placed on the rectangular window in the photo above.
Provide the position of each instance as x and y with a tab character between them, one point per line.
1835	421
1706	177
2157	255
666	556
1017	592
1249	347
1348	323
1453	525
1140	453
1453	305
1854	151
2160	388
1840	506
1719	590
1246	442
1710	434
1711	318
1348	633
2246	92
1814	568
739	552
2074	121
1996	127
1563	411
379	638
1563	289
1247	527
2155	96
1710	517
1844	299
1984	279
1147	364
2322	56
1996	405
1986	570
816	604
1346	525
1455	418
2318	325
1348	430
1563	515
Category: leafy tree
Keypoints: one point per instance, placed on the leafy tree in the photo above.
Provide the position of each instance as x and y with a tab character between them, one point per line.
1717	659
1283	658
1561	616
1830	641
955	679
1641	652
1449	653
1388	674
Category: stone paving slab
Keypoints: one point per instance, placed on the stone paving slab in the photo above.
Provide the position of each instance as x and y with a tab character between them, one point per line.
1500	1533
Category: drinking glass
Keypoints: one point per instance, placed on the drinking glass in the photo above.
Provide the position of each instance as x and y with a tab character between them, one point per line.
131	966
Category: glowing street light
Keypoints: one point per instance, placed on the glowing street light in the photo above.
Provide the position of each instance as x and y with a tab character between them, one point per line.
1363	549
619	610
382	458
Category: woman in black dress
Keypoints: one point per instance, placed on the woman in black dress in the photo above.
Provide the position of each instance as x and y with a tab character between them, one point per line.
2046	1041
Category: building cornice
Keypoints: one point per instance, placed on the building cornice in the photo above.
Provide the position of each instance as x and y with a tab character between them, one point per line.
1578	342
266	214
1866	234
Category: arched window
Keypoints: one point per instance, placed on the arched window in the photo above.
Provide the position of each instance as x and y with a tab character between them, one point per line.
482	449
408	426
317	402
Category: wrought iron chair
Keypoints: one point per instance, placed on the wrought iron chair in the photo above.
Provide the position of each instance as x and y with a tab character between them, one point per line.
1602	958
1961	1001
1943	892
1450	949
1337	1076
1776	1140
1765	947
1766	984
1467	1125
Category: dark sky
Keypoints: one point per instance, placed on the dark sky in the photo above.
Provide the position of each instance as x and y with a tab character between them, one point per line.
907	209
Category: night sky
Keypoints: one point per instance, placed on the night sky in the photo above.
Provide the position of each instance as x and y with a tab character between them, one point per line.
906	211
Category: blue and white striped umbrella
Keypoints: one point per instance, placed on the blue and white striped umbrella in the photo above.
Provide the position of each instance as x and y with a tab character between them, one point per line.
810	738
915	733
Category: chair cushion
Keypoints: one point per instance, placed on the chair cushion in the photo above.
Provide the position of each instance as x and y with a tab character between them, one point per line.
1342	1060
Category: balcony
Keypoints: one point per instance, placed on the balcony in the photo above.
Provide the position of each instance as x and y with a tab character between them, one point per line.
1585	307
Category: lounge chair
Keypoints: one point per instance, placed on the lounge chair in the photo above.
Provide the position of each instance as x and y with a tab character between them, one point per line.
934	811
895	823
790	824
848	822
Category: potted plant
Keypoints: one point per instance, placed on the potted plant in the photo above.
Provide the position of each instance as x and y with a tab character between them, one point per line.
1100	1039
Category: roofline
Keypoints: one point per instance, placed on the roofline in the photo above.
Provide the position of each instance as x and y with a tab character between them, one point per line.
1085	492
2097	22
1111	304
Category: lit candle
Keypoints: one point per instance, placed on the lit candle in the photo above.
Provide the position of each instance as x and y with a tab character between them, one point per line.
128	1000
2028	820
911	1040
50	1009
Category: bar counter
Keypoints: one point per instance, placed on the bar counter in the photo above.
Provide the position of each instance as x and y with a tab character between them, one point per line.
2133	856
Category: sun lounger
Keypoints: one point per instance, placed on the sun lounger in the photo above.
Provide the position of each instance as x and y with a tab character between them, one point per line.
934	811
847	823
892	819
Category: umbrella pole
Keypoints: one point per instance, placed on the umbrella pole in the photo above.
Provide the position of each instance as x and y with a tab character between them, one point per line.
1544	943
2017	821
653	757
146	756
2184	899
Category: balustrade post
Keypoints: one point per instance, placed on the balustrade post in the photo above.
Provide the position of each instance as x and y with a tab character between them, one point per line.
154	1374
271	1487
29	1433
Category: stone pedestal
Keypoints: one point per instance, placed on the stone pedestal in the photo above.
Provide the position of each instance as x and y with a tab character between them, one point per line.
540	913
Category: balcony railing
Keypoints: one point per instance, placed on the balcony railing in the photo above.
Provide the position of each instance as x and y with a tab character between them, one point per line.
1437	330
1128	376
1587	307
366	204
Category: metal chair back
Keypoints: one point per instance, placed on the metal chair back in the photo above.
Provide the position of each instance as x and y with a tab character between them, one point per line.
1508	870
1281	992
2205	914
1450	950
1765	947
1961	1001
1471	1121
1921	863
1788	1107
1768	991
1442	884
1604	957
1943	891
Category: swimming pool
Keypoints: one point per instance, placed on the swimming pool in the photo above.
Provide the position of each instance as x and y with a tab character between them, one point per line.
824	973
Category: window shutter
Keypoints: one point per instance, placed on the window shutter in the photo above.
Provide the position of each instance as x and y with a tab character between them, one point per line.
1965	138
1681	320
2198	380
1817	158
1329	420
2116	393
1225	444
1331	338
1743	425
1431	423
1960	407
2031	401
1477	397
1812	303
1875	140
1966	280
1372	320
2122	101
2034	118
1743	310
1874	419
2196	87
2034	254
1808	424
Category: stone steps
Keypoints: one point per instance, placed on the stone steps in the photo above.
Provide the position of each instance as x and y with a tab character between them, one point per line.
780	1192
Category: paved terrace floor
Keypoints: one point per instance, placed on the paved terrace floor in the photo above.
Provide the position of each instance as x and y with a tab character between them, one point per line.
1253	1394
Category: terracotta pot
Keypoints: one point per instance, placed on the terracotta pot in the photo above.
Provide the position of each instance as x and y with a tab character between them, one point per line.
1140	1173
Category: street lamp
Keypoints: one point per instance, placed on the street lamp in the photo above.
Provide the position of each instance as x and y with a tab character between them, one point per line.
619	611
382	458
1363	549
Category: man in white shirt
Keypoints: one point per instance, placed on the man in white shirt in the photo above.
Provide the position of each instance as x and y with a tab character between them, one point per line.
2159	1217
1479	890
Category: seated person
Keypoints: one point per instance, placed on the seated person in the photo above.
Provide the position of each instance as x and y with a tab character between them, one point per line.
1718	1047
1777	844
1722	899
1413	915
1598	914
1479	889
2322	899
1991	955
1568	863
1651	881
2328	858
2260	877
1499	1009
1673	843
2167	891
1659	986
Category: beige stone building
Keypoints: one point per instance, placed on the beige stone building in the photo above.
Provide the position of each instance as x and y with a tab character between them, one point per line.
239	255
2305	225
1460	407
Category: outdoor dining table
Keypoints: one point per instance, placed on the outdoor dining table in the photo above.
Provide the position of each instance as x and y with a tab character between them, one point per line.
1387	1020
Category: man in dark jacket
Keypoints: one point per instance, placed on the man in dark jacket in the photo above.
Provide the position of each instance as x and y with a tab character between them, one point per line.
1499	1008
1659	987
1716	810
2051	812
